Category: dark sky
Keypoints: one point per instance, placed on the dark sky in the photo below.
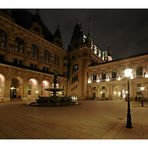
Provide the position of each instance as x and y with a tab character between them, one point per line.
125	30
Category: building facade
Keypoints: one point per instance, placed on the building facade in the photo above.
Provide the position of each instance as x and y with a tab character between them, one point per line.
107	80
30	55
28	60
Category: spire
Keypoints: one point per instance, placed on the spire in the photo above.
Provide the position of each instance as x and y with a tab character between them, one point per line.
36	25
109	51
89	40
36	17
57	38
77	37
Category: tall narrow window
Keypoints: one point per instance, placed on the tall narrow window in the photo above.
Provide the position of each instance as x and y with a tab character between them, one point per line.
103	76
139	71
46	56
34	51
94	77
114	75
19	45
3	38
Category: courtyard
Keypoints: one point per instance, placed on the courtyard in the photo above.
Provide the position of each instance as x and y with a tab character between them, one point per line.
88	120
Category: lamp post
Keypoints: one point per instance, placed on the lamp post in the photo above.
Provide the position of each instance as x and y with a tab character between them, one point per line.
128	73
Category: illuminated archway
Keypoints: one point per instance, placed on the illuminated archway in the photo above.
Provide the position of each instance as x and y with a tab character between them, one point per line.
44	85
118	92
16	88
2	86
33	88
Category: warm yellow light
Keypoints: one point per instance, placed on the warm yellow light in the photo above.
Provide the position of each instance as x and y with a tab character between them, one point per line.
12	88
98	81
115	92
119	78
45	83
128	72
89	81
36	91
142	88
119	93
107	79
95	52
146	75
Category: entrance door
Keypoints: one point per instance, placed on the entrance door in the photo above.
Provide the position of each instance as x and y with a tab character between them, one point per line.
13	93
94	95
15	89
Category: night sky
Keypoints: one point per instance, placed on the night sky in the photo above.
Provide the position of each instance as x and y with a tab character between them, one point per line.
124	30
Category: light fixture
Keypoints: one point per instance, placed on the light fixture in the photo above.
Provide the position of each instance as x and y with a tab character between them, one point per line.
89	81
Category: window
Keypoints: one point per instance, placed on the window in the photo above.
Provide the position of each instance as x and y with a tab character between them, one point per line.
94	77
29	89
114	74
56	60
18	62
3	38
33	66
34	51
139	71
103	76
46	56
45	69
19	45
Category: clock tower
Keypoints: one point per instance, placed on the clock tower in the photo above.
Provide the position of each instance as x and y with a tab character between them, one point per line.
81	55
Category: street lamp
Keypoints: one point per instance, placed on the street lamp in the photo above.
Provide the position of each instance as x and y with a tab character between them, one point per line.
128	73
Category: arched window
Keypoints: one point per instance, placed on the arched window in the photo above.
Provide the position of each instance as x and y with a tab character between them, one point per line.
19	45
34	51
3	38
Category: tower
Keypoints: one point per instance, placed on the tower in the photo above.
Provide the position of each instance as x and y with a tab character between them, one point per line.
80	56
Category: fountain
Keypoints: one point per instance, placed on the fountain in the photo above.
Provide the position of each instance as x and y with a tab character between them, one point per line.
54	99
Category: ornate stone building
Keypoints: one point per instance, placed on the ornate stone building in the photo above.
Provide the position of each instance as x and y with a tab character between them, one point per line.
107	80
30	55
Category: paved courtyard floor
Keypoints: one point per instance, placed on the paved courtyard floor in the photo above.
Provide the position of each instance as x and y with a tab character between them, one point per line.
87	120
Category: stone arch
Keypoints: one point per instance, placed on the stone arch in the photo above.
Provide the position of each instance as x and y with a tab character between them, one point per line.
102	92
32	88
118	92
44	85
2	86
16	88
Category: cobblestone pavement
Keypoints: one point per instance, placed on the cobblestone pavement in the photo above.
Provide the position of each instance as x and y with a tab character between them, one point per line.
87	120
